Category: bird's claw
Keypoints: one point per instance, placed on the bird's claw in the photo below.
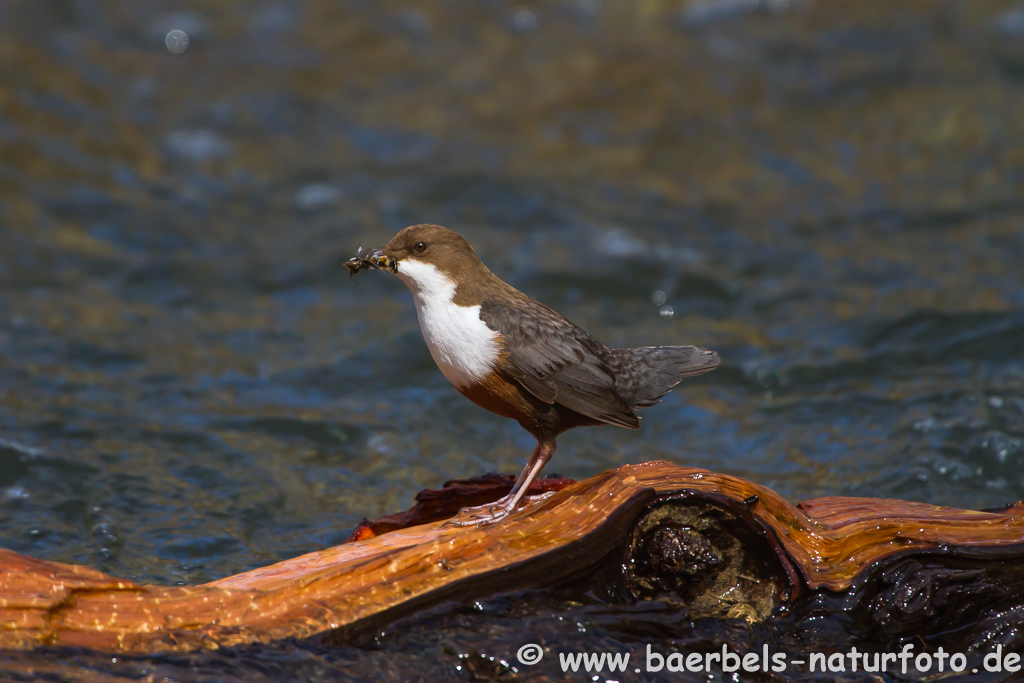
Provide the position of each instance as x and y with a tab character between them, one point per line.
477	517
485	515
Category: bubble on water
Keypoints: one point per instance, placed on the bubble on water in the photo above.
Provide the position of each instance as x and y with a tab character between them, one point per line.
176	41
666	312
103	529
658	298
524	21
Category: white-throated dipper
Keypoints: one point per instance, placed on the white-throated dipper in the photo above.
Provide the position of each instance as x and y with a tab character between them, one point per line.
517	357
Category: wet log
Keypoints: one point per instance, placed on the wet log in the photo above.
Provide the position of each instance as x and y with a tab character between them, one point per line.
726	546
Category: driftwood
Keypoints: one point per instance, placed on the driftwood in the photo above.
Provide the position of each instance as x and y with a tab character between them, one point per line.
725	545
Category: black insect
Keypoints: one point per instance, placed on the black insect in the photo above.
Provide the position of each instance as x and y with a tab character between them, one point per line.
366	259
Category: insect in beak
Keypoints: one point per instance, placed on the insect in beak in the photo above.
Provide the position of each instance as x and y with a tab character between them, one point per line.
366	259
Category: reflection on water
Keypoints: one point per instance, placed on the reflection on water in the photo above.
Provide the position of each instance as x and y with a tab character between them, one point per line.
829	194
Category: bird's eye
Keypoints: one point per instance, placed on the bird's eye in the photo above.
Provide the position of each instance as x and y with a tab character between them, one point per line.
419	247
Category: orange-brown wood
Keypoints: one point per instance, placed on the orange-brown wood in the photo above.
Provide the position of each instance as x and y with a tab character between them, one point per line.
830	542
434	505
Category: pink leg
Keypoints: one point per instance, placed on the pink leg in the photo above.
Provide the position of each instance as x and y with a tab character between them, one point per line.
495	512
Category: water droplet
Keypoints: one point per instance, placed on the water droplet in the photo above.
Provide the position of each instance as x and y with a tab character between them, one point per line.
658	298
105	531
176	41
666	312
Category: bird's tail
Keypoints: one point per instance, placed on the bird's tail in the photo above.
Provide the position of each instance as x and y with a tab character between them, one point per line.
646	373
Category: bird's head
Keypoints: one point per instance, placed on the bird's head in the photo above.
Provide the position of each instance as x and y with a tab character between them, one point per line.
424	256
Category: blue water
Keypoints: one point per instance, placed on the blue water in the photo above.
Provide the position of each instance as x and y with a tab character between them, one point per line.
191	386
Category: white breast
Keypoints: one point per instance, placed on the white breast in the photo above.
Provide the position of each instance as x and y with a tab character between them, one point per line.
462	345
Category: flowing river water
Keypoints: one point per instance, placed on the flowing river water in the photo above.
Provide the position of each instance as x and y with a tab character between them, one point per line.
829	194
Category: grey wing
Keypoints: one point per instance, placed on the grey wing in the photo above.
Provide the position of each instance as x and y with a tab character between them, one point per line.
558	362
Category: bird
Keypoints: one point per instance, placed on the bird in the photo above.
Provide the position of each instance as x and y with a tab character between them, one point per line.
518	358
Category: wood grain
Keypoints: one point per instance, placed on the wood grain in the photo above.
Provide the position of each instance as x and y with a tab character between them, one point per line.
828	543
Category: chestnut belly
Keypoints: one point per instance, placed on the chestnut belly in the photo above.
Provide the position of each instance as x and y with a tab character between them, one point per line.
504	396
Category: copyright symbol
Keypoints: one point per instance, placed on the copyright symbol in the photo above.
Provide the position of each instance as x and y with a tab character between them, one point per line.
530	654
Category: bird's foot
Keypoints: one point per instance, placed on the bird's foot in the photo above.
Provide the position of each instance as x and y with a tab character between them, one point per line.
485	515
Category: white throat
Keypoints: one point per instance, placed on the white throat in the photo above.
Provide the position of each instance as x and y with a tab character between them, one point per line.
462	345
